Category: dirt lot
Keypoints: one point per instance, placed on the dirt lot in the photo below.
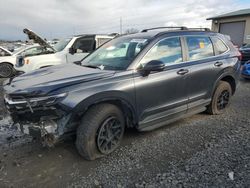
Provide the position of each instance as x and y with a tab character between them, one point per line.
201	151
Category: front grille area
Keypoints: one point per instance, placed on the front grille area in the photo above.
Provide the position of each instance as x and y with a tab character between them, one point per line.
22	112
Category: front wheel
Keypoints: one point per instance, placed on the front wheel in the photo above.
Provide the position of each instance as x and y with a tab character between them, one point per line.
221	98
6	70
100	131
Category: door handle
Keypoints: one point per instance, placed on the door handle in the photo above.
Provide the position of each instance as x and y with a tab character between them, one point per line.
218	64
183	71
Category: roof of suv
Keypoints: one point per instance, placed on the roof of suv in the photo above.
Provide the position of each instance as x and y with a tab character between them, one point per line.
154	33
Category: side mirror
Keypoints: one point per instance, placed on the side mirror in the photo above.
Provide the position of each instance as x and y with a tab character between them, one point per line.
72	51
153	66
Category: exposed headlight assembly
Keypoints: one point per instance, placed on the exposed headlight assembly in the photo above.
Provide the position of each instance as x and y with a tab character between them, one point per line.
35	102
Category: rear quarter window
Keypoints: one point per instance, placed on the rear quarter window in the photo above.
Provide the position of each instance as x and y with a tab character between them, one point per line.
199	47
219	45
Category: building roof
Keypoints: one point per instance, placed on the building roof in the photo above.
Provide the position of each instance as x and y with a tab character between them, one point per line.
243	12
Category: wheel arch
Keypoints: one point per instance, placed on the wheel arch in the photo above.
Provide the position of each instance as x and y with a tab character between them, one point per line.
13	68
229	78
8	63
231	81
122	103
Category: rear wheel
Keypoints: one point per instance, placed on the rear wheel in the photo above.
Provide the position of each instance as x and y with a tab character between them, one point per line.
6	70
100	132
221	98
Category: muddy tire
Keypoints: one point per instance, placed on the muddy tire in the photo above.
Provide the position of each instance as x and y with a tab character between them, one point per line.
221	98
100	131
6	70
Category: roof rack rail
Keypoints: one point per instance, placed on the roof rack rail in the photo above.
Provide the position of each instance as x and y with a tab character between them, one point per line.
200	28
155	28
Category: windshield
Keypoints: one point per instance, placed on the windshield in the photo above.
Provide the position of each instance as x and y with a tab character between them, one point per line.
61	44
19	50
116	54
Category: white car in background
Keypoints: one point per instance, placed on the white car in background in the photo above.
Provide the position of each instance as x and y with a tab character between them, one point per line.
68	50
8	59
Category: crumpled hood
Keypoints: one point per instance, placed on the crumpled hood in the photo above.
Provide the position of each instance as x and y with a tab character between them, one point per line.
37	39
45	80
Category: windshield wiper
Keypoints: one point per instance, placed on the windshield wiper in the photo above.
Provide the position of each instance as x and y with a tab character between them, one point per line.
92	66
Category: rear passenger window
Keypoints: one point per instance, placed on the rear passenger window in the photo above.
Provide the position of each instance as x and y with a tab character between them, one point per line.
199	47
167	50
219	45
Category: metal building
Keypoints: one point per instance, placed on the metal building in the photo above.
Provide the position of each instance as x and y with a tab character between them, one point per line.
235	24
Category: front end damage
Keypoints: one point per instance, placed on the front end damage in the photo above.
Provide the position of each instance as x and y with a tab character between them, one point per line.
43	118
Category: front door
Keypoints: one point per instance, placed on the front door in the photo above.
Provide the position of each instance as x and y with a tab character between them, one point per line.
162	96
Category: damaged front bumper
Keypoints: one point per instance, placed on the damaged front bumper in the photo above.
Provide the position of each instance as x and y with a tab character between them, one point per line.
44	130
44	117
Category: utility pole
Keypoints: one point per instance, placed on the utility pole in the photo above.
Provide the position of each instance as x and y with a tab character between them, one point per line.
120	25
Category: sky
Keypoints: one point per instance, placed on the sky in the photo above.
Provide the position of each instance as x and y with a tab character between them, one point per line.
64	18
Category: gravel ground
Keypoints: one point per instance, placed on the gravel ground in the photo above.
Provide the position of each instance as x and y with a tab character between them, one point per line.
200	151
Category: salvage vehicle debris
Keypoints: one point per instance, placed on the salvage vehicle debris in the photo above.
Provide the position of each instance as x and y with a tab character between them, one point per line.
68	50
144	80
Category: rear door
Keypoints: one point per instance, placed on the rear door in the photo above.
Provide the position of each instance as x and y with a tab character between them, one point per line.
204	65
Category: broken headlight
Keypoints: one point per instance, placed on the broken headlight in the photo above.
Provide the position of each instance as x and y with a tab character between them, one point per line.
31	102
46	101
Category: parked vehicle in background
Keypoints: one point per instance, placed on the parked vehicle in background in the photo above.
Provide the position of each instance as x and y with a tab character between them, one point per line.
68	50
53	42
144	80
245	73
245	51
8	59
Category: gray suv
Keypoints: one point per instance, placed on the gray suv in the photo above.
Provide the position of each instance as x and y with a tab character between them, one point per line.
144	81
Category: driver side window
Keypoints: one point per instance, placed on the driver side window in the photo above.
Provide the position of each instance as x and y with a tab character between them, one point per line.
167	50
84	45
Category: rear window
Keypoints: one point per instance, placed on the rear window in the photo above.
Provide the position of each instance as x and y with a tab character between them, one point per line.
219	45
199	47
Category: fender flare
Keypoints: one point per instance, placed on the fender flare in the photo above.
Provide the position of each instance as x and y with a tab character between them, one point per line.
7	63
110	97
229	72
